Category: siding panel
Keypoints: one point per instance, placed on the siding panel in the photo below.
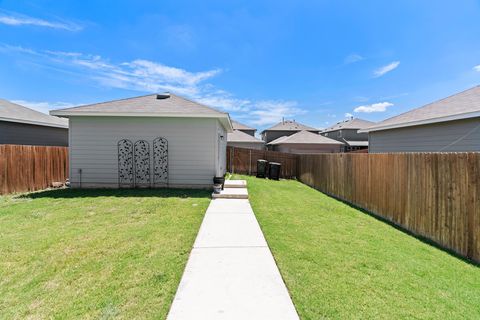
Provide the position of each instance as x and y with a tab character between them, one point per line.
452	136
192	145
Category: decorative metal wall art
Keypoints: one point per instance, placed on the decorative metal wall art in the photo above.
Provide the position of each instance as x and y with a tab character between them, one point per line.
160	162
142	163
125	163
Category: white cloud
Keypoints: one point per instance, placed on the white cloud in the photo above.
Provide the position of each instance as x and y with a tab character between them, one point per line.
348	115
150	76
352	58
385	69
270	111
477	68
376	107
13	19
44	107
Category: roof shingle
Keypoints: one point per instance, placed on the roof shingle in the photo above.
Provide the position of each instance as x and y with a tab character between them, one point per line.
13	112
304	137
462	105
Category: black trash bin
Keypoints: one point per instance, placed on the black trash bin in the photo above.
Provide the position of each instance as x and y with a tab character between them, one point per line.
262	168
274	173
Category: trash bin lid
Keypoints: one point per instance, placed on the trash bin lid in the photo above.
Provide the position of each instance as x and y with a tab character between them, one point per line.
275	163
261	160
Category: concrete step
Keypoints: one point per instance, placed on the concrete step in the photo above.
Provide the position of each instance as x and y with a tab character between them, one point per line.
231	193
235	184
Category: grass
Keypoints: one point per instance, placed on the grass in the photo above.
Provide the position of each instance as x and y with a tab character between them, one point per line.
95	254
341	263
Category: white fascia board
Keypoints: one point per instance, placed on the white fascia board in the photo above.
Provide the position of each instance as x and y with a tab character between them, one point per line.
423	122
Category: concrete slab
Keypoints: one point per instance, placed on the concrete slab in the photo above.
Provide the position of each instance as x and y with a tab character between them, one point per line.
226	283
230	230
231	193
235	184
226	206
231	273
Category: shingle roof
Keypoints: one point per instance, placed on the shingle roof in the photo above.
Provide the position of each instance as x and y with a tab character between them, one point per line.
240	136
13	112
240	126
355	123
463	105
304	137
153	103
290	125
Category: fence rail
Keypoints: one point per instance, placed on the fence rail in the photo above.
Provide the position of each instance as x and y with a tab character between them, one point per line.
435	195
244	161
29	168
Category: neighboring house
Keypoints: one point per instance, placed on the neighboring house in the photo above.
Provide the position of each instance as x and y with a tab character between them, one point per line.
284	128
347	132
21	125
305	142
241	127
156	140
240	139
451	124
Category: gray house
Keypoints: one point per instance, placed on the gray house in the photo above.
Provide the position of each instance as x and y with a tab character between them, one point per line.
158	140
451	124
21	125
347	132
285	128
240	139
244	128
305	142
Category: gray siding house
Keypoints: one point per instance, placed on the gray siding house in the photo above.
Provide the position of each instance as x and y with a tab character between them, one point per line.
305	142
240	139
285	128
21	125
151	141
347	132
451	124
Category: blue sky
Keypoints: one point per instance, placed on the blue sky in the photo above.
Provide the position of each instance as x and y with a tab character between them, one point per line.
312	61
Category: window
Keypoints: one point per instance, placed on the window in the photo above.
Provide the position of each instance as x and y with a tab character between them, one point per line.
339	133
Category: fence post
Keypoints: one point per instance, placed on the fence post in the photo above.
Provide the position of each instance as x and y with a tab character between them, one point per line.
250	164
233	160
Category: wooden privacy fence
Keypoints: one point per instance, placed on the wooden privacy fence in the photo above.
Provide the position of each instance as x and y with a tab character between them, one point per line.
435	195
29	168
244	161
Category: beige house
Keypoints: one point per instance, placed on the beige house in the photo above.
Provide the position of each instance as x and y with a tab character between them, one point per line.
21	125
451	124
285	128
305	142
244	128
240	139
158	140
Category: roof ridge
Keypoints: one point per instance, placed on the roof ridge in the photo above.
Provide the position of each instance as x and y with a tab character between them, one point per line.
378	124
114	100
203	105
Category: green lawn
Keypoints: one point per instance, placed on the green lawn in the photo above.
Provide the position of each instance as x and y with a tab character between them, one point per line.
340	263
95	254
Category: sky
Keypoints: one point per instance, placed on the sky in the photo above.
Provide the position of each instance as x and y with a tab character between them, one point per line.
317	62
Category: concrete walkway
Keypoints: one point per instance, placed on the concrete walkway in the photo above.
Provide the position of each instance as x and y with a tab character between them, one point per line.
231	273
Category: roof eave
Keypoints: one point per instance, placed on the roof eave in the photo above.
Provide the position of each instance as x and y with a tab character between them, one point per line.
462	116
37	123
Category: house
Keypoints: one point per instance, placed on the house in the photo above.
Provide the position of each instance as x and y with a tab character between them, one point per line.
305	142
347	132
244	128
157	140
240	139
21	125
451	124
284	128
